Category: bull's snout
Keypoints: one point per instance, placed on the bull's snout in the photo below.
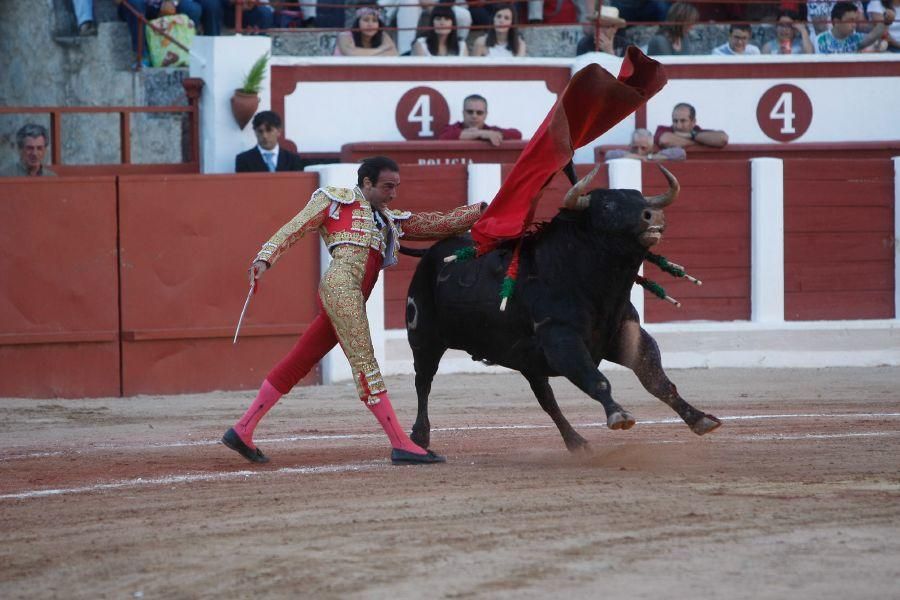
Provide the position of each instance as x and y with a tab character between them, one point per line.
654	223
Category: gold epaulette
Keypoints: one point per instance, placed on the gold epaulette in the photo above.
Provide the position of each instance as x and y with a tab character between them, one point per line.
398	215
340	194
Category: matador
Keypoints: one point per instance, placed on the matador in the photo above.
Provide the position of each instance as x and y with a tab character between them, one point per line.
363	237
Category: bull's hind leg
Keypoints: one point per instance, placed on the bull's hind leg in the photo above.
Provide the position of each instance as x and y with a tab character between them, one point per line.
541	388
567	354
638	351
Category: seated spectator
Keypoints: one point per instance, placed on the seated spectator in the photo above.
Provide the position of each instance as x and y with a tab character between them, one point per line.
255	14
32	141
84	16
819	15
367	37
610	40
204	13
267	155
790	37
641	148
877	9
410	15
685	132
672	38
843	37
642	10
441	39
503	38
738	43
559	12
163	52
473	126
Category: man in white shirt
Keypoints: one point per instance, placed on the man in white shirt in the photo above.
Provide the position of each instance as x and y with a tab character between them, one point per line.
738	43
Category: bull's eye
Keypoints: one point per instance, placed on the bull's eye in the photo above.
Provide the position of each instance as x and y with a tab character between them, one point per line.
647	215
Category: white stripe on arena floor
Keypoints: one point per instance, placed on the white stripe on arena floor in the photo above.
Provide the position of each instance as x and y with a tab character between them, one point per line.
368	466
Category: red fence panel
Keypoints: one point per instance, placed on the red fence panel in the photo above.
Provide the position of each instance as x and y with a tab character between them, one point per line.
423	188
839	229
59	306
708	232
186	242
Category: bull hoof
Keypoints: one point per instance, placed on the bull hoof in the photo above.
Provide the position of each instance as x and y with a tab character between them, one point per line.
620	420
705	424
422	440
576	443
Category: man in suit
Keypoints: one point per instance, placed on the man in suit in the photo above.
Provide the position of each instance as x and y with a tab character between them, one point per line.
267	156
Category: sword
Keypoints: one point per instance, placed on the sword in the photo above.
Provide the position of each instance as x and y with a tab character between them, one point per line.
244	310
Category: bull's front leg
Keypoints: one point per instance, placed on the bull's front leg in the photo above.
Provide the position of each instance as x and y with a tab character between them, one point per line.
637	350
544	393
568	355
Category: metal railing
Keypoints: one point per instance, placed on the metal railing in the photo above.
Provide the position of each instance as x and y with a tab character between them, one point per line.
192	87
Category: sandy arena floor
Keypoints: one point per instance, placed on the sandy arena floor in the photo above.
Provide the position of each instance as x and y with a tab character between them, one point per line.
797	495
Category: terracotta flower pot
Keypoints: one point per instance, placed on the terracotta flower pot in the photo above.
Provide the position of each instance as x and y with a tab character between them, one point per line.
243	107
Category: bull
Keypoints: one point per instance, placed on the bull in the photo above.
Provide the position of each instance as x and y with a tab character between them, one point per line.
571	308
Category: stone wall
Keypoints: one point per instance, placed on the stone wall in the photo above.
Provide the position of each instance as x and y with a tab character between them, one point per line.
44	63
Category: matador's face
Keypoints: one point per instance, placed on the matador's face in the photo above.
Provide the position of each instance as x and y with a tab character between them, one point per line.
382	191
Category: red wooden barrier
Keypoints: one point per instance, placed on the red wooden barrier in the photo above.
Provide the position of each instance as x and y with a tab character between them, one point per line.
421	189
839	229
708	232
186	242
59	307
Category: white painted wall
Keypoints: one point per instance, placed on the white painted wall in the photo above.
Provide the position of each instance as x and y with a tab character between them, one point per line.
223	63
625	174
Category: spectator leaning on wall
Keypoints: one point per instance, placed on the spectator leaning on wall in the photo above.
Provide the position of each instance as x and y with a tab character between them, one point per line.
32	141
843	37
473	126
685	131
641	148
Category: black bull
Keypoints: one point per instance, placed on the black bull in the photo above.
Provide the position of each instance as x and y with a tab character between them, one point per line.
571	308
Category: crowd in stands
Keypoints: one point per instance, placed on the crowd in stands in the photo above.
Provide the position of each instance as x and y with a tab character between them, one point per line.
490	28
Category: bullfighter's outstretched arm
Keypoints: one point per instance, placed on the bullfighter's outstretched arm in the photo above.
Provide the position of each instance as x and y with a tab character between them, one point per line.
308	219
440	225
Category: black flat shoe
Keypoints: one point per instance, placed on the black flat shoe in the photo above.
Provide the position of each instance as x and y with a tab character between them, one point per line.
233	441
403	457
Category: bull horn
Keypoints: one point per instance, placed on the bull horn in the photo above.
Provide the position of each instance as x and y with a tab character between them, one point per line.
573	196
667	198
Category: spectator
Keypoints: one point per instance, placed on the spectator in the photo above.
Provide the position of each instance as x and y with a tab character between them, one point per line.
642	10
843	37
672	38
559	12
610	40
738	43
367	38
877	9
204	13
267	156
473	126
32	140
790	37
685	131
819	15
255	14
442	38
84	16
641	148
503	38
410	15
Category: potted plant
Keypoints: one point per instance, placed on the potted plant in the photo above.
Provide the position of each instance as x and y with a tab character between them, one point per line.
245	100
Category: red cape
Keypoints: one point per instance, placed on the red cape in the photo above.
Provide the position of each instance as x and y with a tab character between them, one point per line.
593	102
